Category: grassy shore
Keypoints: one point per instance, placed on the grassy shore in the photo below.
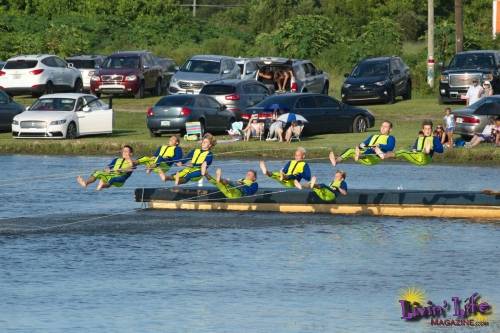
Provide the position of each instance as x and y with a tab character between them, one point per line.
130	128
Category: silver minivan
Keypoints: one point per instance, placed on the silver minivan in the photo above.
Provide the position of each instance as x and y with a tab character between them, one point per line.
200	70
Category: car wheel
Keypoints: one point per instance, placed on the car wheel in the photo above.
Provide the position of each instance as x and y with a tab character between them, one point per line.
359	124
78	86
326	87
157	90
154	134
391	96
140	92
407	94
71	132
49	88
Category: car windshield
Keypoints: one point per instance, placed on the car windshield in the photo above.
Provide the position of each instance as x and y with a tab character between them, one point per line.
20	64
370	68
53	104
472	61
175	101
201	66
83	64
218	89
121	62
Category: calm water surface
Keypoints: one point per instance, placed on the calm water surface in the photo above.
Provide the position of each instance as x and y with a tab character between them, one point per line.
64	268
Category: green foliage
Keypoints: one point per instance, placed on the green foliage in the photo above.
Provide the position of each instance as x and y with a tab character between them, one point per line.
334	33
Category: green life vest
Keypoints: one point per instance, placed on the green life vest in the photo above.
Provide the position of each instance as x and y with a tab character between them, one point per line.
295	167
199	156
122	164
336	183
246	182
166	152
378	139
422	140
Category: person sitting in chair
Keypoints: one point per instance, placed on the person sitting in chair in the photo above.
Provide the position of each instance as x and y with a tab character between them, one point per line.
254	128
293	131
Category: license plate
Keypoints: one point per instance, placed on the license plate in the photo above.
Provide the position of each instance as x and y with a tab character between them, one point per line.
459	120
190	92
165	123
16	76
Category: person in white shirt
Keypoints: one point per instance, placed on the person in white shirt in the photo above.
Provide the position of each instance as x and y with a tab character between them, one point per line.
488	134
474	93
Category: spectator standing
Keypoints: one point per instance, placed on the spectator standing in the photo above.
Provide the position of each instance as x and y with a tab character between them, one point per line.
449	127
474	93
487	90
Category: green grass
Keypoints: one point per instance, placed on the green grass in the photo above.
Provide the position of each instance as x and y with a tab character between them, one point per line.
130	128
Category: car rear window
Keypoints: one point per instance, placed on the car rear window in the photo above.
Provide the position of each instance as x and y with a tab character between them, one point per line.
218	89
273	102
21	64
85	64
175	101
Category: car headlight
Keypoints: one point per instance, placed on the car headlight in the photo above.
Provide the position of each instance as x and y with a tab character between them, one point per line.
347	85
488	77
380	83
58	122
130	77
91	73
95	78
15	122
173	80
444	78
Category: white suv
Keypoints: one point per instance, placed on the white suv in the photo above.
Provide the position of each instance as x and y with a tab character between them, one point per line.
39	74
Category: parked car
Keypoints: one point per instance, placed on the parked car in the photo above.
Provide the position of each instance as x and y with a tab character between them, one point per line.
171	113
8	110
377	79
324	113
306	77
236	95
39	74
128	73
248	67
87	65
58	116
200	70
467	122
168	67
464	67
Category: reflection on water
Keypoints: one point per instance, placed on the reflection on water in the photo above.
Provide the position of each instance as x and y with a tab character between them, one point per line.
148	271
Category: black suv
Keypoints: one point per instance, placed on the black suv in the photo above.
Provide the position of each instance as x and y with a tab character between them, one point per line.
464	68
377	79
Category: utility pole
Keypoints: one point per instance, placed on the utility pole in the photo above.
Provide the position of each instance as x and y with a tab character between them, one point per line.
459	27
430	43
194	8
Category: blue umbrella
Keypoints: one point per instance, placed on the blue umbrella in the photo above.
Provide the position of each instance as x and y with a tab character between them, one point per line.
291	117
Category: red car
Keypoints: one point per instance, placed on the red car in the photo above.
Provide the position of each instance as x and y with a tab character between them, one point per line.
128	73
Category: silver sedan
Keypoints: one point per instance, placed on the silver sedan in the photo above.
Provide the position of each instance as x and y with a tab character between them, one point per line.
468	123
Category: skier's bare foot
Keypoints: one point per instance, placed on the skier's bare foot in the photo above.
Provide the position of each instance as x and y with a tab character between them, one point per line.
357	153
218	174
332	158
81	181
263	167
313	181
177	178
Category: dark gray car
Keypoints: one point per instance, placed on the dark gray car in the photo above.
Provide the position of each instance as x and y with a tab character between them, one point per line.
170	114
236	95
8	109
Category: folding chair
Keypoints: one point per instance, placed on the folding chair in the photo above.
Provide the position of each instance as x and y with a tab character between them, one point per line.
296	136
193	130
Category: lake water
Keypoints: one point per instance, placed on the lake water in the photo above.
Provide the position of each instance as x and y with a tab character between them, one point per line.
71	263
